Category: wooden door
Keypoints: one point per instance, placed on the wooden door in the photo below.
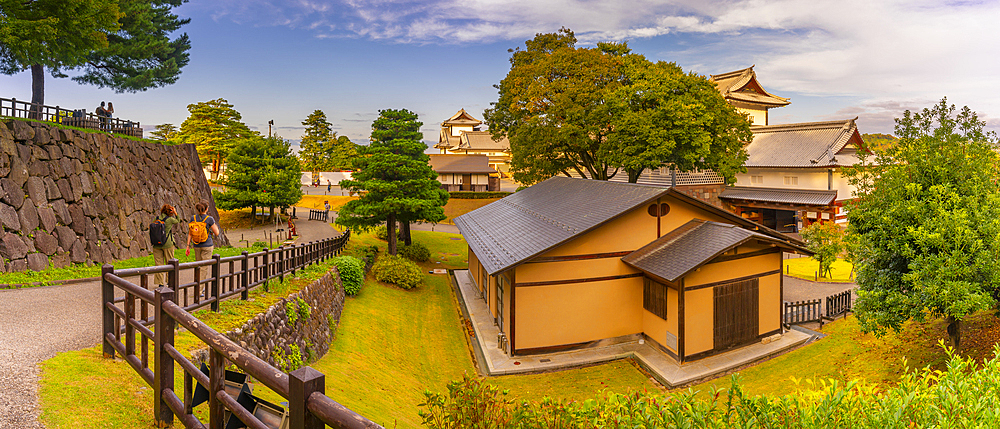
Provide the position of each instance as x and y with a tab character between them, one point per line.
736	313
466	182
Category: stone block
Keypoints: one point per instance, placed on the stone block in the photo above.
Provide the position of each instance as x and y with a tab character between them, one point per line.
80	221
4	165
87	183
35	188
77	187
77	252
9	218
66	236
12	247
28	215
46	243
18	171
38	168
47	218
18	265
42	136
51	189
56	170
12	193
37	261
61	260
22	131
65	190
68	167
24	152
39	152
55	152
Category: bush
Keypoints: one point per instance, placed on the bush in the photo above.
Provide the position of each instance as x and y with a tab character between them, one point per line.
382	233
415	252
968	390
368	256
399	271
352	273
466	195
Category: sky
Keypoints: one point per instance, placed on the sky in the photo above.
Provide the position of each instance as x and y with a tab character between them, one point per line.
282	59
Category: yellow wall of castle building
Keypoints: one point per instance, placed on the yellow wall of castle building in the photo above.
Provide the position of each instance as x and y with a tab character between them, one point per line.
574	313
756	116
699	321
456	130
656	328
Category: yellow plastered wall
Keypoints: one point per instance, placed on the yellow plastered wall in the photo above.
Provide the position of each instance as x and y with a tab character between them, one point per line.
699	321
579	312
629	231
656	328
569	270
475	268
770	302
722	271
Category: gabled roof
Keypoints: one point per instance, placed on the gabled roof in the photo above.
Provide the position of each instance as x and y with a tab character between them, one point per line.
742	85
461	164
810	144
812	197
692	245
531	221
482	140
461	118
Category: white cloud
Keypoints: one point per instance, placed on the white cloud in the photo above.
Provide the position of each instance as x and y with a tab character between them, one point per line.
900	50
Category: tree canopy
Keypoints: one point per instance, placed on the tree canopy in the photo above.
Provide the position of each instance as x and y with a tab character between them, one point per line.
164	132
214	127
322	149
261	172
598	111
395	177
925	225
121	44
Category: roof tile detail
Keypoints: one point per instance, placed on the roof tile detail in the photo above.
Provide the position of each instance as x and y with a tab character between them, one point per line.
461	164
814	197
810	144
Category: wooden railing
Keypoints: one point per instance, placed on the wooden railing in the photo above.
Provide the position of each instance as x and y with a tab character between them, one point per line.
812	310
12	107
323	215
167	307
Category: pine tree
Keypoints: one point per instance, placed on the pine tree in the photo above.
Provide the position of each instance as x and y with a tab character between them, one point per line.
397	181
261	172
214	127
315	145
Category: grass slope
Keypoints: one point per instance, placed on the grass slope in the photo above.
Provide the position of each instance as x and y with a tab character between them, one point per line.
806	268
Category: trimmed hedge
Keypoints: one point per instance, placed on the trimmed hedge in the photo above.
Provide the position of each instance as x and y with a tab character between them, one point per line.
415	252
399	271
466	195
352	273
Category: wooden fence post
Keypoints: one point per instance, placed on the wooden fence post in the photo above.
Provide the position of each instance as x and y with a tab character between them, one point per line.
163	364
281	262
174	275
216	383
216	271
267	268
108	317
302	383
245	276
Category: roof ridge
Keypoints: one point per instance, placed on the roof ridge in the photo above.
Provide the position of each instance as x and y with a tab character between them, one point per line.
801	126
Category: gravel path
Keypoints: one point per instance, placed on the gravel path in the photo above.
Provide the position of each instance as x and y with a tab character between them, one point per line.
36	323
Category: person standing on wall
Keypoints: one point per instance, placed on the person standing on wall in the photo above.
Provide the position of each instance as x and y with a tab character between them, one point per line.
161	235
102	115
199	236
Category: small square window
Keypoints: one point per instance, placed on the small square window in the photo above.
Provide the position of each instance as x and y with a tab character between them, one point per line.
791	180
756	180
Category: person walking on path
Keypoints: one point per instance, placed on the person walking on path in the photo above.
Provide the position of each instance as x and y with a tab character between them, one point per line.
165	251
328	185
200	232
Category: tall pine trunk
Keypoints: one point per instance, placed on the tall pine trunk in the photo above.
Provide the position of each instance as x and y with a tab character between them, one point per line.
37	91
406	233
390	224
954	331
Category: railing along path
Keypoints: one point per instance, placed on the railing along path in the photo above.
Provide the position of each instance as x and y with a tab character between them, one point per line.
14	108
169	306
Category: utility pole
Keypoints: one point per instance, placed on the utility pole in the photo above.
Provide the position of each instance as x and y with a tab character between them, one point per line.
269	123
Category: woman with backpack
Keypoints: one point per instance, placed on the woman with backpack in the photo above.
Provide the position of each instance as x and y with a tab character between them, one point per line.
161	235
198	235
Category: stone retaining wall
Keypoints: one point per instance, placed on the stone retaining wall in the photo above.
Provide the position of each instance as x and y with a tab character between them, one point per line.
74	196
271	335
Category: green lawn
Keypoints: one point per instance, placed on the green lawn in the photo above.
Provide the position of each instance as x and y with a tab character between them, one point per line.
806	268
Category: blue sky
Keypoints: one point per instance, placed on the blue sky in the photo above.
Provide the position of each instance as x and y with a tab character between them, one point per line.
281	60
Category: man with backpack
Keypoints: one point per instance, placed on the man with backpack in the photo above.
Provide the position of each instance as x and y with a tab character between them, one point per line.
161	236
199	237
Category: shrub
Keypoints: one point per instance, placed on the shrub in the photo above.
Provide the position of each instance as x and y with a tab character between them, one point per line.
398	271
258	245
368	255
382	233
352	273
466	195
415	252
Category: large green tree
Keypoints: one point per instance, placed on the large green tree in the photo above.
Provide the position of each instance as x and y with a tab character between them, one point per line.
315	145
661	115
121	44
344	152
214	127
261	172
164	132
393	173
925	225
598	111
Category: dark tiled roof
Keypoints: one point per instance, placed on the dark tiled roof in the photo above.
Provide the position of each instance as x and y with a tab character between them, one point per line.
813	197
732	84
482	140
533	220
662	177
461	164
689	246
811	144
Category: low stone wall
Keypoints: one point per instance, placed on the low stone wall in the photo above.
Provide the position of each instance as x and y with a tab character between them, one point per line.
274	337
75	196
